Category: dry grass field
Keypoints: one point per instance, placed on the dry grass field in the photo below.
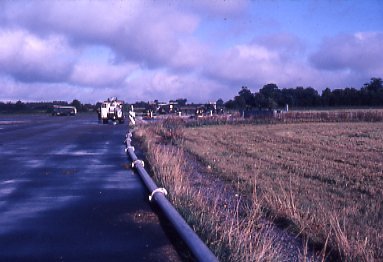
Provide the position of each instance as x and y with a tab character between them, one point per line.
325	178
233	229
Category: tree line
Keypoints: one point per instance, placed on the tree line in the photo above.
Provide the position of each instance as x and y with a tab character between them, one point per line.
42	107
268	97
271	97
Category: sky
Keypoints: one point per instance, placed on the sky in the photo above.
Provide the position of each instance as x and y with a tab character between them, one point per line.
201	50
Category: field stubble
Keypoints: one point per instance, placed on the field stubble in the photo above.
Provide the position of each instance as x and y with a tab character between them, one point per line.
230	227
326	178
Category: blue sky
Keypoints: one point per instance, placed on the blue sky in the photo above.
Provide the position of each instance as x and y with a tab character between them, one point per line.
141	50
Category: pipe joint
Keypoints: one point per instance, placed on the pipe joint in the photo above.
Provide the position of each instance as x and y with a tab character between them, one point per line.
130	147
135	162
158	190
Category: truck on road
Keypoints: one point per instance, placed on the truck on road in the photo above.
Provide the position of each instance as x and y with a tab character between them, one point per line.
111	109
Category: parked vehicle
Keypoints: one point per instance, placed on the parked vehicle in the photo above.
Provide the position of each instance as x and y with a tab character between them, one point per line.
64	110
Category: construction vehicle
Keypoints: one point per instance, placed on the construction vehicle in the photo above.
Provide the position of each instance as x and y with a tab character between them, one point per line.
111	109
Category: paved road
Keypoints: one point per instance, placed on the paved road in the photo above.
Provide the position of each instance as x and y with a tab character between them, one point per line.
67	194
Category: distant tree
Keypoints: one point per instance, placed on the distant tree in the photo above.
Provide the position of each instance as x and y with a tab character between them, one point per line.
62	103
288	97
245	98
239	102
260	101
372	92
141	104
269	91
351	97
20	106
272	95
311	97
375	85
89	107
269	96
219	102
270	103
181	101
302	97
230	104
77	104
326	97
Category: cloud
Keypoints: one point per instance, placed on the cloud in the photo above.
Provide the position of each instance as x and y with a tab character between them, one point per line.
154	41
143	49
14	90
359	53
79	19
248	64
29	58
288	45
191	55
281	58
217	8
142	31
100	75
164	85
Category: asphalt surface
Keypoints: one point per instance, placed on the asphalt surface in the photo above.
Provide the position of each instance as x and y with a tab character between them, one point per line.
67	193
